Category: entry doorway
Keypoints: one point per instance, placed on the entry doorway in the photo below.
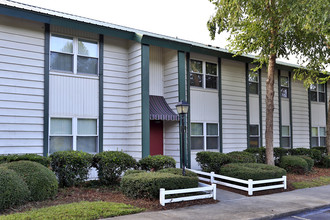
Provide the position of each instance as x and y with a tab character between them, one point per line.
156	137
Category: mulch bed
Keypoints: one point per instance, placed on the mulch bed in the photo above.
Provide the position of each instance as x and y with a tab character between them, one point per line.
112	194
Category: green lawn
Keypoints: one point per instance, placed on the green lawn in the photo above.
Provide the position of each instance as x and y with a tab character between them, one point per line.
80	210
325	180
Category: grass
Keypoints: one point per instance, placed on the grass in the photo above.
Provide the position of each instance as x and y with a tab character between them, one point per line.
325	180
79	210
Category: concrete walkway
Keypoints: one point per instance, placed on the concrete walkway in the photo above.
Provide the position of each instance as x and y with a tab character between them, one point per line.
235	206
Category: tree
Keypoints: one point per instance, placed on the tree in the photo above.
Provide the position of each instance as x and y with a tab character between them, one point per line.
273	29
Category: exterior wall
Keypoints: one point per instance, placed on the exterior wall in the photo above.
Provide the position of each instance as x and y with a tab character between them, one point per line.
233	106
300	118
21	86
156	71
171	94
115	79
134	116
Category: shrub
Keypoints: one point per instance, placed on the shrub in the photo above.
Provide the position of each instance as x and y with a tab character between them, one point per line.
111	164
211	161
71	167
254	171
30	157
259	153
279	152
325	162
241	157
300	151
129	172
157	162
40	180
147	185
13	189
310	161
178	171
322	149
294	164
316	155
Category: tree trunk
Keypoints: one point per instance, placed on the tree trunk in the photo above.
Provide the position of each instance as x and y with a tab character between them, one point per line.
328	130
270	110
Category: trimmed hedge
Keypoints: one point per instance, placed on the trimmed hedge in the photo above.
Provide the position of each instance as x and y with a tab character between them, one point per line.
300	151
40	180
178	171
211	161
71	167
326	161
259	153
254	171
129	172
310	161
157	162
322	149
13	189
294	164
147	185
30	157
241	157
111	164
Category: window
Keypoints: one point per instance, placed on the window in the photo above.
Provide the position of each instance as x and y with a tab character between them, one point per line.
73	55
254	83
317	92
204	78
254	136
285	139
318	136
73	134
284	86
204	136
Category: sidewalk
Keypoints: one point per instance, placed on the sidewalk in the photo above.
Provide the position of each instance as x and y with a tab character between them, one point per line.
235	206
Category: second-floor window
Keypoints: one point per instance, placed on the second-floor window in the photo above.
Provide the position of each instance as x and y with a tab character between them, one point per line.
284	87
254	83
203	74
317	92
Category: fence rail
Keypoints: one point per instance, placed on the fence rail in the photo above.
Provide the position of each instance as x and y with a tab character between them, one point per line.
210	192
250	185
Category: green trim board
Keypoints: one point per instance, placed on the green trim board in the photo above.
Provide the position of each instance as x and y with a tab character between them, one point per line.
145	53
290	106
189	112
182	96
101	49
279	105
46	90
247	95
310	118
260	109
326	101
220	105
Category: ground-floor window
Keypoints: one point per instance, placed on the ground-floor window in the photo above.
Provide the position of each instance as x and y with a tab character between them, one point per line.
318	136
254	136
286	137
204	136
73	134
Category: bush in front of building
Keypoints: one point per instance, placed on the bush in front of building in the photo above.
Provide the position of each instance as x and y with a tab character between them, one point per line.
111	164
241	157
129	172
310	161
254	171
259	153
178	171
71	167
147	185
300	151
325	162
30	157
322	149
279	152
212	161
157	162
13	189
40	180
294	164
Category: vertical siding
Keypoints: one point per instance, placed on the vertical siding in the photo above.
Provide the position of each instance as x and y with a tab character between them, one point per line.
233	106
115	94
134	117
171	94
156	70
21	86
276	124
300	118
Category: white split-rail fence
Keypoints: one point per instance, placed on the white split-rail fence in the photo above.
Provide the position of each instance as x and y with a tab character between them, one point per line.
237	183
209	191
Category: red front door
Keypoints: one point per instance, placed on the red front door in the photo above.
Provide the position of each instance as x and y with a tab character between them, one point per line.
156	137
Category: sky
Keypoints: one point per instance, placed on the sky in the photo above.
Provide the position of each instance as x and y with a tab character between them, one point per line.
184	19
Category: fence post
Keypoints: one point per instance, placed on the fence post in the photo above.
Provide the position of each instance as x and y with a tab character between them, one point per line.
250	187
212	177
162	196
214	191
284	181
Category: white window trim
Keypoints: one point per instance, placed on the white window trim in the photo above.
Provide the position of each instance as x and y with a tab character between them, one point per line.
205	136
75	55
74	132
204	74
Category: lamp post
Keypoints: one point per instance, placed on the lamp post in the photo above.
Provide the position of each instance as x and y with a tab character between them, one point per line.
182	109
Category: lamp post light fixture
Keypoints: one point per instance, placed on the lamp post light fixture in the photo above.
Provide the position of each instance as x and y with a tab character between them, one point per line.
182	109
